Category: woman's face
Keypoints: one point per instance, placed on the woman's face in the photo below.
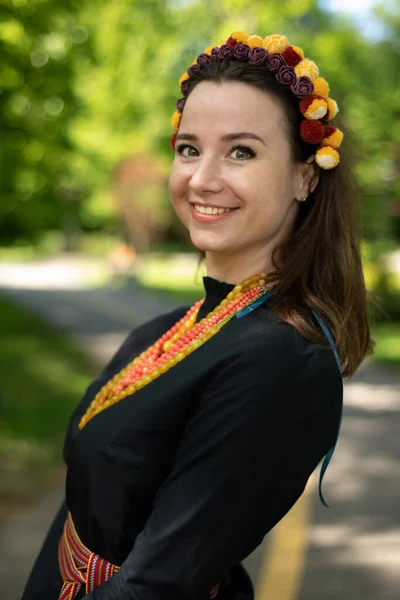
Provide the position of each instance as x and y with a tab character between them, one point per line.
232	151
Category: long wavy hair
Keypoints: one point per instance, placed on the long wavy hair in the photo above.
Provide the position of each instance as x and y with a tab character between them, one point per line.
320	264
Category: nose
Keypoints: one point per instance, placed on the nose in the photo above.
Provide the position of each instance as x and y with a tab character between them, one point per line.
206	177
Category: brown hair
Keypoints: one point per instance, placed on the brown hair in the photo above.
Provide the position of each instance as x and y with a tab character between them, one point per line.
321	264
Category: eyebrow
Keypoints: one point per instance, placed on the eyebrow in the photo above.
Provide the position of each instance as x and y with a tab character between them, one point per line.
228	137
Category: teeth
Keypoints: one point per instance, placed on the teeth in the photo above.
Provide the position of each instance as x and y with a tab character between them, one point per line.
208	210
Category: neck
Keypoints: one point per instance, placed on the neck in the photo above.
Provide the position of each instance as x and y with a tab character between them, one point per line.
235	269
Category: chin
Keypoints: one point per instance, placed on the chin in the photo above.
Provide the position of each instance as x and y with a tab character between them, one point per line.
201	243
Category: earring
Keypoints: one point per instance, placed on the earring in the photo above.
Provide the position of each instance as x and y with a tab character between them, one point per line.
303	199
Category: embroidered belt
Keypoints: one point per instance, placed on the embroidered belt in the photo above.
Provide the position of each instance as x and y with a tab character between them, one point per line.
81	567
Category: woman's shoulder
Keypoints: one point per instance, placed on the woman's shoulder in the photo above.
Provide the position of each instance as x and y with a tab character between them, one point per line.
264	368
272	343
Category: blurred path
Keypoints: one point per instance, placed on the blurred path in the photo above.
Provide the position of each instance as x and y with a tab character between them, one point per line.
350	551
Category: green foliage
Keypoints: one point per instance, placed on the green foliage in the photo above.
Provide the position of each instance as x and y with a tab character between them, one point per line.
387	338
86	84
382	280
56	372
38	41
43	376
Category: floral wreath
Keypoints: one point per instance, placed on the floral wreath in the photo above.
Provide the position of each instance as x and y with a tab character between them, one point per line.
292	70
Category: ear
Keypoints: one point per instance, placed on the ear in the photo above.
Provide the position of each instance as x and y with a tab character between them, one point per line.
305	180
315	177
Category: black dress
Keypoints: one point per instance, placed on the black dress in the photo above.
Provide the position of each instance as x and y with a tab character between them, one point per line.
180	482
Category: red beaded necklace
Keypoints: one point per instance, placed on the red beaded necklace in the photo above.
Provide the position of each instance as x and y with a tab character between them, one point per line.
177	343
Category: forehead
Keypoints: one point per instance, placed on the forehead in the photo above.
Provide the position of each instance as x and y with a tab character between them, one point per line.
231	104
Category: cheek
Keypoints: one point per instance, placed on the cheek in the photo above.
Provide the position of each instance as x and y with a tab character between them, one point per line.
268	192
178	183
178	192
267	181
277	179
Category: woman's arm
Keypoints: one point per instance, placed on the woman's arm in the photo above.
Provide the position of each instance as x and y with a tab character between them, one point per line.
45	581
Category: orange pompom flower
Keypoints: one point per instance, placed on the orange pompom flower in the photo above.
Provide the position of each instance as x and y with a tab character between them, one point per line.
332	109
314	107
176	119
307	68
321	87
327	158
332	137
255	41
312	132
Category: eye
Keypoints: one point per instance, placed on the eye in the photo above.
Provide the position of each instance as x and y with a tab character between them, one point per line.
243	151
181	150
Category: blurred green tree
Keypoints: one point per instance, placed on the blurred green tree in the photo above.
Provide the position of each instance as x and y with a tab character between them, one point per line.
37	43
84	86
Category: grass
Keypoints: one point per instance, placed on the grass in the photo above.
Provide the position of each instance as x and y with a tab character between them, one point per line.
43	376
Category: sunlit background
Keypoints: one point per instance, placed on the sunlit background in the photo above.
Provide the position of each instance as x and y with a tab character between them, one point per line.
90	247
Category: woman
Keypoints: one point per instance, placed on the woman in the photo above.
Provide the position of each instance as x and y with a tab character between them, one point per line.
203	430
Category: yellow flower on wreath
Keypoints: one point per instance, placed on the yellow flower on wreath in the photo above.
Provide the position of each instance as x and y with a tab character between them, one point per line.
321	87
327	157
276	43
240	36
255	41
307	68
332	109
333	139
176	119
183	78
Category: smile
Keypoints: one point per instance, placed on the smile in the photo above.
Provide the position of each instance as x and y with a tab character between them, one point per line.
210	213
211	210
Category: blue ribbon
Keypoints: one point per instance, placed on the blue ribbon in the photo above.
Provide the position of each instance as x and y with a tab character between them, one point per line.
327	459
253	305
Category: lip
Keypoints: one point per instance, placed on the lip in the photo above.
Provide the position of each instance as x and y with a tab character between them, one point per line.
210	218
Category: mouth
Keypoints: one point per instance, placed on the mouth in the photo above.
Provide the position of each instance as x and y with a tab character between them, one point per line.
209	214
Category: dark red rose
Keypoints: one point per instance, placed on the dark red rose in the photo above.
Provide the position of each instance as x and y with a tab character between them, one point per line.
180	104
193	69
303	87
258	56
241	51
225	52
276	62
203	59
214	54
184	87
286	76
